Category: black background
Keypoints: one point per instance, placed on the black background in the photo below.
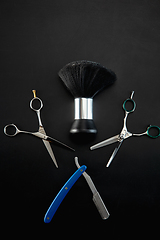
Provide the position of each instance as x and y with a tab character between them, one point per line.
37	38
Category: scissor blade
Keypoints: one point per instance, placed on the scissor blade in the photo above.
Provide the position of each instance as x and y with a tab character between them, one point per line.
52	140
48	146
114	153
105	142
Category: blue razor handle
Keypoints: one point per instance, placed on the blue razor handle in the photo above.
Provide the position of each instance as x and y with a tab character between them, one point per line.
62	193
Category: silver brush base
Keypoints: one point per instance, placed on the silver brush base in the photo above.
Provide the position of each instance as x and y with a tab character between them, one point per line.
83	108
83	120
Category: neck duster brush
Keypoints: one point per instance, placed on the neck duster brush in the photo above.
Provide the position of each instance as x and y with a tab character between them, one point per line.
84	79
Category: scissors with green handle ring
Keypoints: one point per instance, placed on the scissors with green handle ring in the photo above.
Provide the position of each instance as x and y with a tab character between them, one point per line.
8	129
149	134
125	133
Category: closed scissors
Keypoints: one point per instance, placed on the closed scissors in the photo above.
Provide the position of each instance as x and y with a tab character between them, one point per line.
41	132
125	133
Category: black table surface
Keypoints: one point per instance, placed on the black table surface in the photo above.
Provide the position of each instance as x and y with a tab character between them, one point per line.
37	38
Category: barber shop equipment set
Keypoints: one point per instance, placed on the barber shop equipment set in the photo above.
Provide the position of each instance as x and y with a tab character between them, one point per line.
84	79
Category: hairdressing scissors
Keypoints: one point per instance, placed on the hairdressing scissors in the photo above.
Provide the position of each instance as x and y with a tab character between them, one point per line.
125	133
41	132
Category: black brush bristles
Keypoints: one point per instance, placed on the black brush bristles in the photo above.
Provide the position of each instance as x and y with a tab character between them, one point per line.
86	78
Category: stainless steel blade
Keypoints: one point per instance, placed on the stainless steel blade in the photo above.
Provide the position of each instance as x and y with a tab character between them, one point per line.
96	196
48	146
52	140
114	153
100	206
87	177
105	142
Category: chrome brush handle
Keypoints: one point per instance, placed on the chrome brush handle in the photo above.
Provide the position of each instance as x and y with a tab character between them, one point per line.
83	119
83	108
